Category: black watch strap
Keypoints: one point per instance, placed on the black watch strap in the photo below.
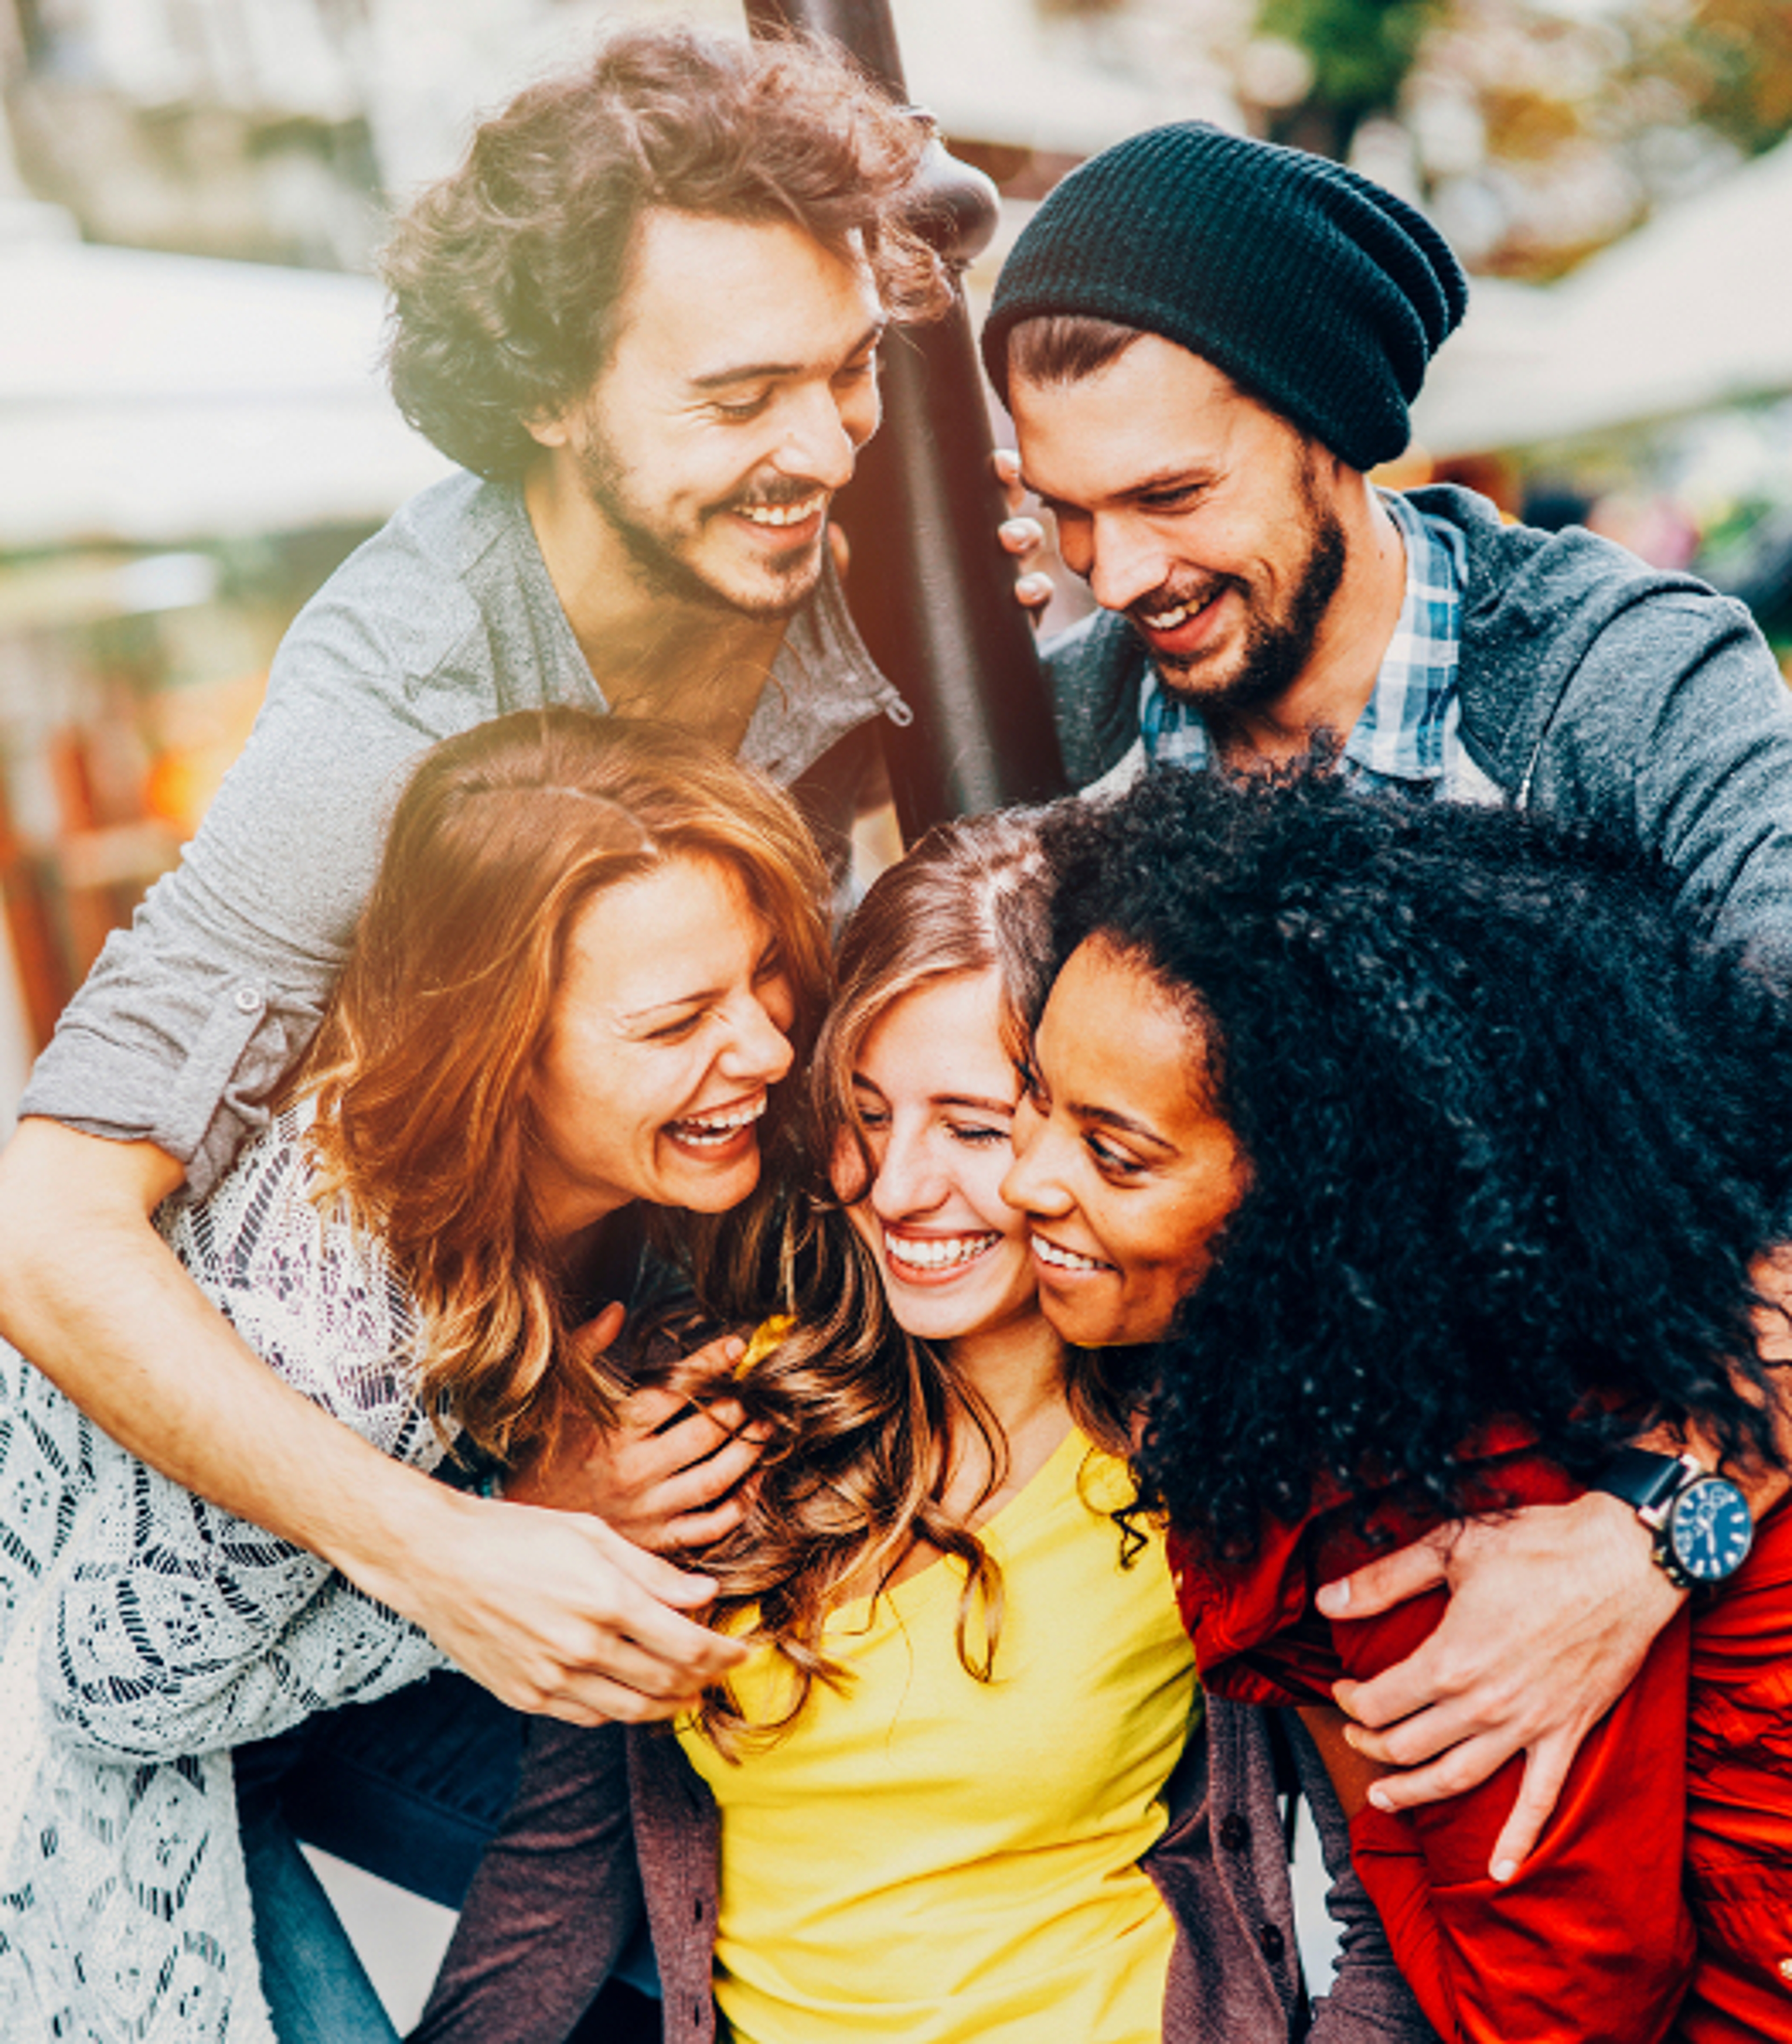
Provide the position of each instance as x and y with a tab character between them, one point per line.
1644	1482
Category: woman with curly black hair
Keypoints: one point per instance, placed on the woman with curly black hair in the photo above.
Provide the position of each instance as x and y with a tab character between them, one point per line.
1440	1148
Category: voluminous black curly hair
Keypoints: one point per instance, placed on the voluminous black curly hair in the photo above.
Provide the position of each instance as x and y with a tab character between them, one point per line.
508	277
1516	1131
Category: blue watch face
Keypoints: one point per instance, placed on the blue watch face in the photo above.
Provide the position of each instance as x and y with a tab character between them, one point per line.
1710	1531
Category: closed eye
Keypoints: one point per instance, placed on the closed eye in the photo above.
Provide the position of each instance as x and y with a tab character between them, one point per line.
978	1135
672	1032
1112	1162
738	410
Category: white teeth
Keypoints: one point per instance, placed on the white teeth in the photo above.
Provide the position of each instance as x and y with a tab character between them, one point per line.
782	514
936	1253
1064	1259
716	1128
1167	621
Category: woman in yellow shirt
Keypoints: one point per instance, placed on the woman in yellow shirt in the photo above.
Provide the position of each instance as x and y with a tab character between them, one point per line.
948	1789
910	1566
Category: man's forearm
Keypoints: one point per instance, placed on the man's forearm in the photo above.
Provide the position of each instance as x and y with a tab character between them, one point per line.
551	1610
92	1295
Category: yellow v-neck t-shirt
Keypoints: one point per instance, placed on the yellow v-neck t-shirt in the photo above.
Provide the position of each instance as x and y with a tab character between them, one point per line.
943	1861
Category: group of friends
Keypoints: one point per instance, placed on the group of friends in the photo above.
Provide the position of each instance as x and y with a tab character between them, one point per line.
850	1477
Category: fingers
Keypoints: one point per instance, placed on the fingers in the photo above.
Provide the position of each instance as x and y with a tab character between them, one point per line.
692	1381
1021	537
664	1584
697	1438
1466	1766
1546	1769
698	1529
1006	463
600	1332
698	1488
1411	1711
1418	1698
600	1703
705	1368
558	1613
1389	1580
1407	1740
647	1412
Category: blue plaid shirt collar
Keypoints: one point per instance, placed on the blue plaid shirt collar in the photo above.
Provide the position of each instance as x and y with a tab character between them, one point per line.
1409	730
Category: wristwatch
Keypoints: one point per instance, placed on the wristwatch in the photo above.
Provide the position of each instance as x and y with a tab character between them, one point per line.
1702	1527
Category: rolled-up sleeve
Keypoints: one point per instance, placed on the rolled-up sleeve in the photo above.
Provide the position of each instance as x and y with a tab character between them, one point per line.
191	1015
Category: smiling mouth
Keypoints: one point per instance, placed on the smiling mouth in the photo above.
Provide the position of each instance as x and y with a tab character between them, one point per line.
929	1254
1176	615
1055	1257
780	515
711	1132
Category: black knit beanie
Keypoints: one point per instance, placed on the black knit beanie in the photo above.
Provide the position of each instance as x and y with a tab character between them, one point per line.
1321	294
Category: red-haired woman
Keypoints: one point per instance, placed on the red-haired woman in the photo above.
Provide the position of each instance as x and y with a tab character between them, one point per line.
593	951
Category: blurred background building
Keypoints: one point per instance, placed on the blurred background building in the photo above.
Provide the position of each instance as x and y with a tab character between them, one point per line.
193	431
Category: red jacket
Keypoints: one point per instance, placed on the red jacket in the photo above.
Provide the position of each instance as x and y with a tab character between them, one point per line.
1677	1813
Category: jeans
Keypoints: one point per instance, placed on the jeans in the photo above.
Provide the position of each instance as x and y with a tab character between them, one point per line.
410	1789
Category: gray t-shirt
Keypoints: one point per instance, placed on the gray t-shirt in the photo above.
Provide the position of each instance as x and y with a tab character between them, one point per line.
445	618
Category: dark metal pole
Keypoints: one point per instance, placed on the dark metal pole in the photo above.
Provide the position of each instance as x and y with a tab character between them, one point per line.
930	589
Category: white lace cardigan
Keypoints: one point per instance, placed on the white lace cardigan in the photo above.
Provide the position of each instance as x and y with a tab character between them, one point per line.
145	1633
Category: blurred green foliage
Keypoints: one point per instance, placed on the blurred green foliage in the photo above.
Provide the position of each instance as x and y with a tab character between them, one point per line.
1585	117
1361	51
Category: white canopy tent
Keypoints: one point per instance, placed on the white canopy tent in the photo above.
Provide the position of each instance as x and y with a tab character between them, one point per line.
151	399
1694	309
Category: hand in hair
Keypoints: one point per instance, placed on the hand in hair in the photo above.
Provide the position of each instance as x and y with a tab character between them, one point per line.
669	1469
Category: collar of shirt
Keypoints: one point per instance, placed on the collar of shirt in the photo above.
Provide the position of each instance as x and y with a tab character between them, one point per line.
1408	731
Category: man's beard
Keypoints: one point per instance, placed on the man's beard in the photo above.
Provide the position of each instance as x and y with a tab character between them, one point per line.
1276	648
659	551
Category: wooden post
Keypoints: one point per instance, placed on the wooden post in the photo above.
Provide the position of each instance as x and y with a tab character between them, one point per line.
930	589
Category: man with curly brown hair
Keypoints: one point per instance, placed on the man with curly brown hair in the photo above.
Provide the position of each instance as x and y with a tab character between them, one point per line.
644	315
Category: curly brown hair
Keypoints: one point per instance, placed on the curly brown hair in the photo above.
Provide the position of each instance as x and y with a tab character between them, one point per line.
508	277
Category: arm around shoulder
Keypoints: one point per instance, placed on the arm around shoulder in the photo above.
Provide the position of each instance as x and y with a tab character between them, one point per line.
1592	1936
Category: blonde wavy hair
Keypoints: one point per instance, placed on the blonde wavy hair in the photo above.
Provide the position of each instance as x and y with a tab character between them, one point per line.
424	1128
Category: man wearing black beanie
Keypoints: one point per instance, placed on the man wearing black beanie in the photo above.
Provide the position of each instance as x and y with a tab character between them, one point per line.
1206	343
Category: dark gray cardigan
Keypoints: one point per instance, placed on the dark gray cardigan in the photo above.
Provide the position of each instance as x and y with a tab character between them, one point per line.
605	1820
